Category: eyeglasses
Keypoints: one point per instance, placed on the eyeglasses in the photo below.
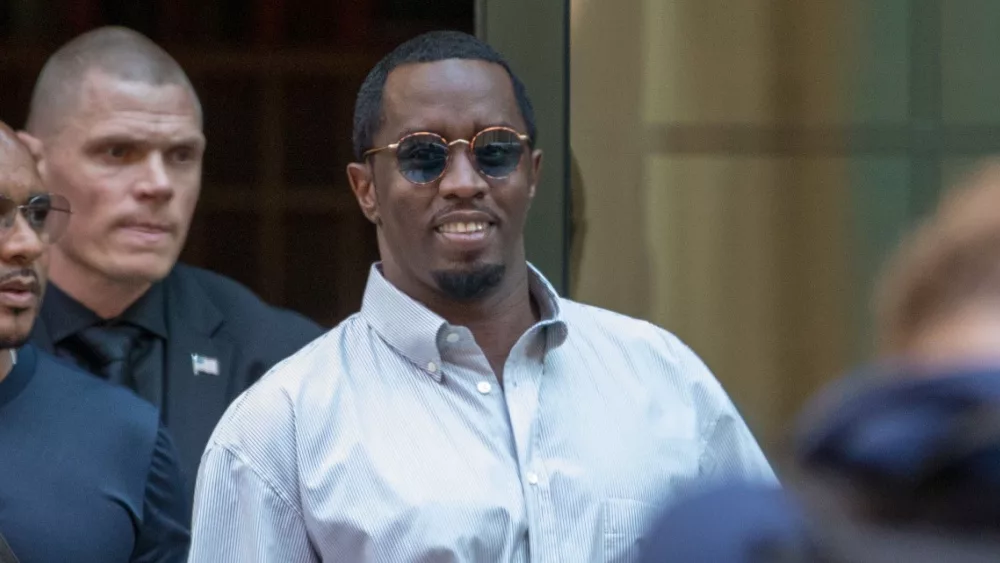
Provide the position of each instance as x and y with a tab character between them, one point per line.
47	214
423	158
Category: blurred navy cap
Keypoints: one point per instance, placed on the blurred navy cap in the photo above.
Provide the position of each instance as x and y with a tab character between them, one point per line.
906	426
735	523
898	427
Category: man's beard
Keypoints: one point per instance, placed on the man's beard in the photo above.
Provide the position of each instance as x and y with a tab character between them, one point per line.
8	342
467	285
13	339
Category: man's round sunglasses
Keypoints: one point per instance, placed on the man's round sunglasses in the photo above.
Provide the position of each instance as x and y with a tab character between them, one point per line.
46	214
423	157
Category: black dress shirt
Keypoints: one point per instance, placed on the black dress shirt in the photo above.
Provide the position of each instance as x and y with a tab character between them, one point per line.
67	318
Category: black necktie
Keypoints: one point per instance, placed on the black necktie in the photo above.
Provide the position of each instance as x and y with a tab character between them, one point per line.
110	345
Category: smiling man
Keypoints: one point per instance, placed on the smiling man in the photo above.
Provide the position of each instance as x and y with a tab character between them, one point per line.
117	129
87	473
467	412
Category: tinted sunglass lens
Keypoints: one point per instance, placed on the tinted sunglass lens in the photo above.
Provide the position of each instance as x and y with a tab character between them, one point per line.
422	158
48	215
498	152
37	212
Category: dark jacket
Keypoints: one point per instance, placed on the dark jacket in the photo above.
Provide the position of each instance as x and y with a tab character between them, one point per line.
211	317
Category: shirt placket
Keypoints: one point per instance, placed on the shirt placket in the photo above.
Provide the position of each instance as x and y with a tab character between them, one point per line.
523	375
469	368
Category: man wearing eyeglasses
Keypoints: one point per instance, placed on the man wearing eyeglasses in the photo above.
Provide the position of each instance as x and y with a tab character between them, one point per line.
117	129
87	471
467	412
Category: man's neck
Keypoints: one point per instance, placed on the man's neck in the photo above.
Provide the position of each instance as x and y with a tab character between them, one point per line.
106	298
496	322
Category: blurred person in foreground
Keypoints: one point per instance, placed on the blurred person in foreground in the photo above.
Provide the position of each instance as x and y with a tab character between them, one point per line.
467	412
901	461
117	129
87	471
938	303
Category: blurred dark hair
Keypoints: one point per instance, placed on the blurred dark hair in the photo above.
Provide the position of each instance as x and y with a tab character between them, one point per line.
941	505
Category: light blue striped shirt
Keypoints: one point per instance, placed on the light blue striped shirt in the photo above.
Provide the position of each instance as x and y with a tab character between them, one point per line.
389	439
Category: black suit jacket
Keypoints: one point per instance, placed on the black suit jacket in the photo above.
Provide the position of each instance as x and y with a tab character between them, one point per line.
214	317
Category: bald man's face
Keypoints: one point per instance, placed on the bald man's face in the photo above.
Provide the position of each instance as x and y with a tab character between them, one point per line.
968	334
128	158
23	260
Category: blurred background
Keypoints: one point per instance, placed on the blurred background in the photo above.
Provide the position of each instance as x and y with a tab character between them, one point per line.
735	171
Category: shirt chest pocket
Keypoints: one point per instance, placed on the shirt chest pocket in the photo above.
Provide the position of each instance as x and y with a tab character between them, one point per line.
626	523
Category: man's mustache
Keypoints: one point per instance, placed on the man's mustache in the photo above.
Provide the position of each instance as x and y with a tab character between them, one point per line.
24	273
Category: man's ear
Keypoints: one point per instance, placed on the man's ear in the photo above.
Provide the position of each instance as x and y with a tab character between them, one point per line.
536	171
362	180
35	147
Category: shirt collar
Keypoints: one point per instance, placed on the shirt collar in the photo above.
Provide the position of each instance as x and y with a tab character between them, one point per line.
548	307
415	331
65	316
149	311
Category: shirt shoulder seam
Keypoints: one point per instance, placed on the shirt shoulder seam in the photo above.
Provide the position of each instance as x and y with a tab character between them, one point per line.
261	477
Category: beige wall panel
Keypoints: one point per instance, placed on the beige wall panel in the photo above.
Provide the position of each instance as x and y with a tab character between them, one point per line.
707	61
607	144
712	225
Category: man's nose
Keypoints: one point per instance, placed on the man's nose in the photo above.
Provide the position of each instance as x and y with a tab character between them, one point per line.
462	179
21	244
156	182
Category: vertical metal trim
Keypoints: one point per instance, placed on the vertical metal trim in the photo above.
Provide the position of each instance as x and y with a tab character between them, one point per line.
925	108
481	18
503	25
567	164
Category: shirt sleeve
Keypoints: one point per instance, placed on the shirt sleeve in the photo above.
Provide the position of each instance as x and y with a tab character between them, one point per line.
729	450
239	516
163	534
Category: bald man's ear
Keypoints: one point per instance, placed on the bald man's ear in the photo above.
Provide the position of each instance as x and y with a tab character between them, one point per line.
361	177
34	145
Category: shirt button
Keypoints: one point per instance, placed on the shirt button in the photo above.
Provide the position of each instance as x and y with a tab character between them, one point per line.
432	367
453	338
532	479
484	387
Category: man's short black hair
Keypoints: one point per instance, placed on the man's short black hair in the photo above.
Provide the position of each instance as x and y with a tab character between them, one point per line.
427	48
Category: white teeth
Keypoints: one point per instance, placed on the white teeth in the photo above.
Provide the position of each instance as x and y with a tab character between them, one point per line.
463	227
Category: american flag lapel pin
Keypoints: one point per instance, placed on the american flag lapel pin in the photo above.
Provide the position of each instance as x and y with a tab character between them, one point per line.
204	365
